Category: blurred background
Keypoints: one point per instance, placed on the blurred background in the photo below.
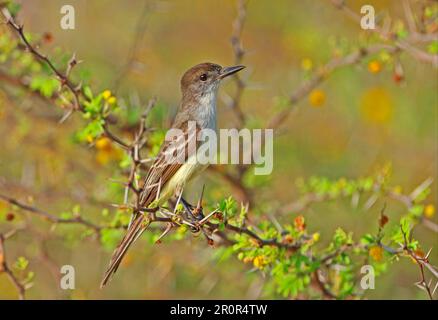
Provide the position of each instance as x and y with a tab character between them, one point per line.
363	119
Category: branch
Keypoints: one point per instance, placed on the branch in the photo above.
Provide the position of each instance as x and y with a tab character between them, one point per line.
422	262
63	78
239	53
50	217
4	267
407	200
399	43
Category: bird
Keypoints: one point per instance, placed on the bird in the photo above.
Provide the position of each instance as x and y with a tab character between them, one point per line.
199	88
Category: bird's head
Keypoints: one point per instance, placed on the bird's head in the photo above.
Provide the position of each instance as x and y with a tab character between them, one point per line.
205	78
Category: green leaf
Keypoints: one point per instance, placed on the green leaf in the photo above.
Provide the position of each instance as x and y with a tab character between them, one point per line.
88	93
21	263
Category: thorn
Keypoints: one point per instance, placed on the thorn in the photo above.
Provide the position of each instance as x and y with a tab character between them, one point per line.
186	205
275	223
201	222
166	231
66	116
199	205
420	285
146	160
423	186
434	289
78	87
188	223
72	62
177	201
426	257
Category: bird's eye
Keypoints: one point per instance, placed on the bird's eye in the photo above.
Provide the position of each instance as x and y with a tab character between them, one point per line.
203	77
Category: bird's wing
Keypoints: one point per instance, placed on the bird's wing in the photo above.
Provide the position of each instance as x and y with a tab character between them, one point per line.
162	170
171	157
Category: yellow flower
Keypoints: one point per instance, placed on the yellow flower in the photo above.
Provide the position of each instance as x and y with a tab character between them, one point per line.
106	94
374	66
317	98
429	211
259	262
306	64
112	100
316	236
376	253
103	143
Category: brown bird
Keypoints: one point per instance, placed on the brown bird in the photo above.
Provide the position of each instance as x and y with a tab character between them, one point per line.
199	86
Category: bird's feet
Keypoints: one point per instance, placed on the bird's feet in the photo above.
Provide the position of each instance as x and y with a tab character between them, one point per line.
194	213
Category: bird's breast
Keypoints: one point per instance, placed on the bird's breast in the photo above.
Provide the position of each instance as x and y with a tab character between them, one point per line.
207	110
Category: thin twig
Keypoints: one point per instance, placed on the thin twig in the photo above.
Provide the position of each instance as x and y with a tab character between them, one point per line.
4	267
50	217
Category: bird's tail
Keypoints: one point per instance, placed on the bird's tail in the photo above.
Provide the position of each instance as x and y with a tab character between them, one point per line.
139	224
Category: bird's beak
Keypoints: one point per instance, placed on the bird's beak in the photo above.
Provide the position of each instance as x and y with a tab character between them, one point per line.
228	71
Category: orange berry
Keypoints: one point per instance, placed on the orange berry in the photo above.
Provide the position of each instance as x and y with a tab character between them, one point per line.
317	98
103	143
374	66
299	223
376	253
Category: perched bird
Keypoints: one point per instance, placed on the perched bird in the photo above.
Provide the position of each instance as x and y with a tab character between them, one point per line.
199	86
